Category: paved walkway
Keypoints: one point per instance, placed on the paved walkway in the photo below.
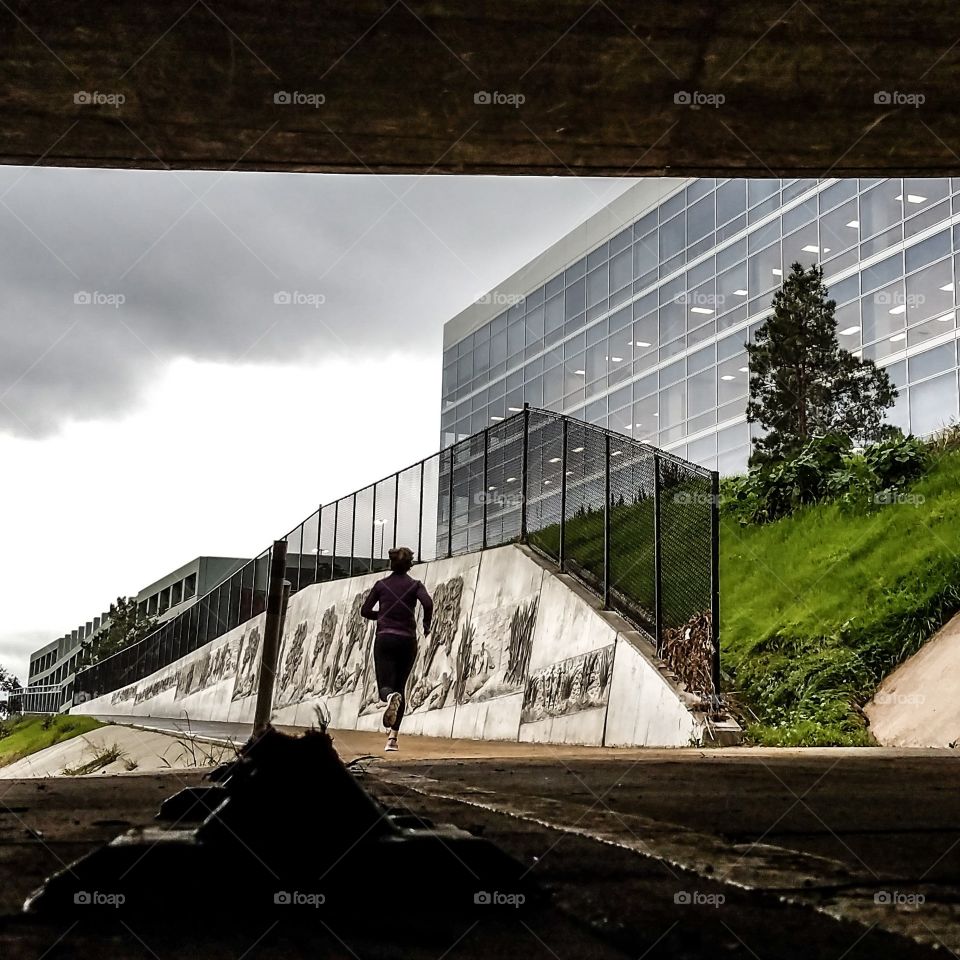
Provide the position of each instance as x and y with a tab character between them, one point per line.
742	852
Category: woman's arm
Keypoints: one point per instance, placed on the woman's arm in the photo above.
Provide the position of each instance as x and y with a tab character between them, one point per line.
367	611
427	605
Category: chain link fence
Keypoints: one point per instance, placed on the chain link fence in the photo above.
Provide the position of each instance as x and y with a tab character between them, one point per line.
636	525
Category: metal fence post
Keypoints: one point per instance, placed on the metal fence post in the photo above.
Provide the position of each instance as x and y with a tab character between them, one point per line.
396	505
353	535
561	558
523	473
373	528
486	451
423	466
316	553
657	558
333	550
450	506
271	637
606	522
715	578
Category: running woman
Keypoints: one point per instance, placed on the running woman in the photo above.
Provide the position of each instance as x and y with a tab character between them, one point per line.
395	648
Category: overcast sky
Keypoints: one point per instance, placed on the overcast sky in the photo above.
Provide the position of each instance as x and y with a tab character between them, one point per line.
149	380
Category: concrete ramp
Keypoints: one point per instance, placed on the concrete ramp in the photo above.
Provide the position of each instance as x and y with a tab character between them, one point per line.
918	705
518	652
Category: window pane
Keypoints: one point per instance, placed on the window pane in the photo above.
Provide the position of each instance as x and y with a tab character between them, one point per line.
930	292
620	270
672	239
700	220
836	232
731	200
764	270
702	392
933	404
884	313
880	208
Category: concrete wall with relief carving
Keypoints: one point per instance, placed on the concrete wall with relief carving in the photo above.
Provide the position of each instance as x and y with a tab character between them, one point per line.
516	653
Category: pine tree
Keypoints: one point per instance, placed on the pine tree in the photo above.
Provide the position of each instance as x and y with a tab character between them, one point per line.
803	384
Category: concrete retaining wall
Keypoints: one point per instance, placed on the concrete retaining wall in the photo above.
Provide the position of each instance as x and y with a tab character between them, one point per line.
519	653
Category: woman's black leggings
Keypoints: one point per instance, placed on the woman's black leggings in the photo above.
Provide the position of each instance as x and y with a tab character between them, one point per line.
393	657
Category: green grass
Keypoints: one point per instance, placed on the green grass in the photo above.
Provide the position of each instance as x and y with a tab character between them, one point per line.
21	737
818	607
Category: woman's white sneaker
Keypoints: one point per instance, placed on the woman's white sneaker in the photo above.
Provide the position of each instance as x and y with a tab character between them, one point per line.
393	710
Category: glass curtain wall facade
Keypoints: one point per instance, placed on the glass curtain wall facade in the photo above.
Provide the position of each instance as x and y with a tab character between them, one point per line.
645	333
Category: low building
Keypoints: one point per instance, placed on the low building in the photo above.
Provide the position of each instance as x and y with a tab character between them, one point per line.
53	666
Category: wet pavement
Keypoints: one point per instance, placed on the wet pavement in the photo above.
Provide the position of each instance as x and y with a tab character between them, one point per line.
687	853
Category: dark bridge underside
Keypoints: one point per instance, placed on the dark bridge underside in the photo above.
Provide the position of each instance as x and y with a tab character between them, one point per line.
807	89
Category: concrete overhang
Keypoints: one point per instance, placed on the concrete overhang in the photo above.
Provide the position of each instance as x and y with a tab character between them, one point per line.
740	88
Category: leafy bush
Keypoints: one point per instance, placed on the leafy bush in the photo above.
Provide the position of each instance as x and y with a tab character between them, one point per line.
826	468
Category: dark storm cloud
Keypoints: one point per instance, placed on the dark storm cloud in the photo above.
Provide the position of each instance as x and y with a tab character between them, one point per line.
106	275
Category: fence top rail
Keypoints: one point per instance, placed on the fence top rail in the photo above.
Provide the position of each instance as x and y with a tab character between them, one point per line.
449	451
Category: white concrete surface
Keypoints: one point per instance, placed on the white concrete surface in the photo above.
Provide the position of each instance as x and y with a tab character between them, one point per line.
918	704
140	751
526	656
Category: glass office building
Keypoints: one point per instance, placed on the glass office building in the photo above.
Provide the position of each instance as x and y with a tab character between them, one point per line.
637	319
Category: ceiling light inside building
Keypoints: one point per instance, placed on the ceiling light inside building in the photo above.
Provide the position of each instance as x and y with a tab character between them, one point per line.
615	453
911	198
776	272
744	369
700	310
948	287
740	293
897	337
728	376
580	373
849	331
855	224
496	418
511	479
643	343
554	459
899	308
578	449
515	409
617	359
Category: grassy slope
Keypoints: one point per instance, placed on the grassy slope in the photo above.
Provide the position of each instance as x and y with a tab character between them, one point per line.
818	607
27	736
